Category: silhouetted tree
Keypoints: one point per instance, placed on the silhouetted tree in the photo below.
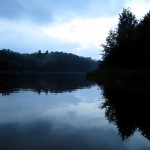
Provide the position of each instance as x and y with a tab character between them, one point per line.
118	50
142	42
110	50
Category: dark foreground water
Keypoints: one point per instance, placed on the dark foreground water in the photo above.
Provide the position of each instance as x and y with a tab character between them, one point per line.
68	112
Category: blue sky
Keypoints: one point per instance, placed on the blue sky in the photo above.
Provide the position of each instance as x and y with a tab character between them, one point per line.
72	26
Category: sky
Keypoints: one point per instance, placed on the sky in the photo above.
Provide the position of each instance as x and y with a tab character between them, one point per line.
71	26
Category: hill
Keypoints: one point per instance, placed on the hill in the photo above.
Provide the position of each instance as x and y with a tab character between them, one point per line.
44	62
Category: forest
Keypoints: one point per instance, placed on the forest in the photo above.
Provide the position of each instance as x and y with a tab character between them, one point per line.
127	48
44	62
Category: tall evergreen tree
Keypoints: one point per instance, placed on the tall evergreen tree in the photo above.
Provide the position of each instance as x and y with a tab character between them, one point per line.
110	49
117	49
126	32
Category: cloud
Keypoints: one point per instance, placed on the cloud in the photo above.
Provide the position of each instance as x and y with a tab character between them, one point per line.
45	11
26	37
81	36
33	11
10	9
138	7
81	30
72	26
90	32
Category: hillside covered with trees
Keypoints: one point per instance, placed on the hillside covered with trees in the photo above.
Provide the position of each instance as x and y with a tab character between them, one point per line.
127	47
44	62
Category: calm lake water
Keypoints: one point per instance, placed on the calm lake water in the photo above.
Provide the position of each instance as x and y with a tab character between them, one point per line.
68	112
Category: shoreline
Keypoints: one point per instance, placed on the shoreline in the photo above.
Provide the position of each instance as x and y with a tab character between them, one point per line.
119	75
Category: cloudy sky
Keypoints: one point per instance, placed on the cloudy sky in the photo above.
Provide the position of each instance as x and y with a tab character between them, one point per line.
72	26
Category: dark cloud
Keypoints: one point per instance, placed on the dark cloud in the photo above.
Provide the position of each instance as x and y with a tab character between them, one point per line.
25	10
10	9
43	11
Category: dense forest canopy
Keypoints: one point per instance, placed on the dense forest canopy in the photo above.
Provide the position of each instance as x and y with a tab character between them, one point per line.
44	62
127	46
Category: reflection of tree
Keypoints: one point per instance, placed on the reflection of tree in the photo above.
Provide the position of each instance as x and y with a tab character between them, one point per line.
42	82
127	106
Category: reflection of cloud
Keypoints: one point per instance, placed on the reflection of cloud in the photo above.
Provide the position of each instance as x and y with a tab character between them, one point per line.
23	107
82	115
77	108
43	135
72	114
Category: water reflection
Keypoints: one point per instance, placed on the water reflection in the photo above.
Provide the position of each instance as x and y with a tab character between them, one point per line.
69	120
42	82
64	115
127	106
43	136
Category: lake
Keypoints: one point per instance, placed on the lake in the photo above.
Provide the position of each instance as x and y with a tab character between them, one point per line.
66	111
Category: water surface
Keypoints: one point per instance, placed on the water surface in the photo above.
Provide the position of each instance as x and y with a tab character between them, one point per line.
64	111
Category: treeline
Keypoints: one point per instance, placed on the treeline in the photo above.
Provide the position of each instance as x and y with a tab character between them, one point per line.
128	46
44	62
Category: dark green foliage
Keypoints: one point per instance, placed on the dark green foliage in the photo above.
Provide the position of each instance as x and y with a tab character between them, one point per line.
44	62
127	47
